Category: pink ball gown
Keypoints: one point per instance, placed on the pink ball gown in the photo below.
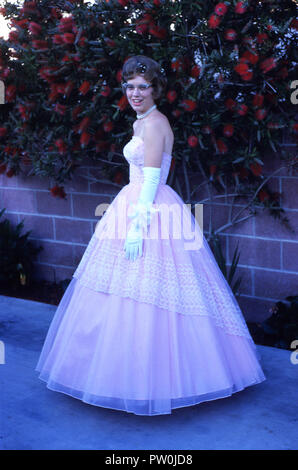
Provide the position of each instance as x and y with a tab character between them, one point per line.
147	336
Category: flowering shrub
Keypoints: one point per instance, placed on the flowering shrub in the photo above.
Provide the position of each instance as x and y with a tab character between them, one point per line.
229	67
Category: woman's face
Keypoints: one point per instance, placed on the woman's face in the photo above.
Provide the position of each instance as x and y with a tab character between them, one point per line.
140	100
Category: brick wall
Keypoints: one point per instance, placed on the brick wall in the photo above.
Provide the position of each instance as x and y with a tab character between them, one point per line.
268	261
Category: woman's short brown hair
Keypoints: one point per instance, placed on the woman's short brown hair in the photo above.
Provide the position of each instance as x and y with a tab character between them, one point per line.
147	68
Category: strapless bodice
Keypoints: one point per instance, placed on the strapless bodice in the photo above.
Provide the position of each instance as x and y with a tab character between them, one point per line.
133	152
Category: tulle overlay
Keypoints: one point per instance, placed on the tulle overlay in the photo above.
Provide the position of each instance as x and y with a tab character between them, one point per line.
147	336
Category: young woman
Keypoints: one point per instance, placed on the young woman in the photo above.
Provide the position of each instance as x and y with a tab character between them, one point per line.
148	322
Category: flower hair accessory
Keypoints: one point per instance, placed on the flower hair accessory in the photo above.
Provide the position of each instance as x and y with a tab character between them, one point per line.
141	67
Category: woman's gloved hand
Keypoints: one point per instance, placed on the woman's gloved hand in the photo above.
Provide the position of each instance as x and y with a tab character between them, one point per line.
141	215
134	242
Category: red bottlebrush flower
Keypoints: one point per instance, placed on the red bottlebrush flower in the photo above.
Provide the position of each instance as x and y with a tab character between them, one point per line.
141	28
66	58
251	57
228	130
269	27
241	68
68	38
258	100
171	96
295	127
192	141
213	21
55	13
123	3
230	34
2	168
230	104
3	131
23	111
263	195
58	191
240	8
267	64
157	31
242	109
108	126
13	36
40	44
58	39
11	172
84	88
66	23
35	28
82	41
76	58
84	139
68	87
261	37
122	103
260	114
222	148
75	112
61	145
189	105
247	76
221	9
5	72
256	168
177	65
195	71
118	177
119	75
84	124
10	93
207	130
60	87
60	108
105	91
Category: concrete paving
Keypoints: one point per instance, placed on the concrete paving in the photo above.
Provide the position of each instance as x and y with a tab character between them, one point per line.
262	416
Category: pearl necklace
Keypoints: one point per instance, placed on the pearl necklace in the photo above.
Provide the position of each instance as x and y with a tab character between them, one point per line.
140	116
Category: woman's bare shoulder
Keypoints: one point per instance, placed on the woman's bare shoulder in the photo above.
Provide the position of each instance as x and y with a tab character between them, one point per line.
161	122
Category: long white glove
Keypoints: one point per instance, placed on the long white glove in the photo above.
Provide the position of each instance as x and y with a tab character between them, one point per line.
141	215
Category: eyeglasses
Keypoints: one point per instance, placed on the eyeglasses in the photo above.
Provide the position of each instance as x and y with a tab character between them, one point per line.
143	87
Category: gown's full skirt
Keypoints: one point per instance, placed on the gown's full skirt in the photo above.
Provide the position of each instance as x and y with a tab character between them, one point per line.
147	336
